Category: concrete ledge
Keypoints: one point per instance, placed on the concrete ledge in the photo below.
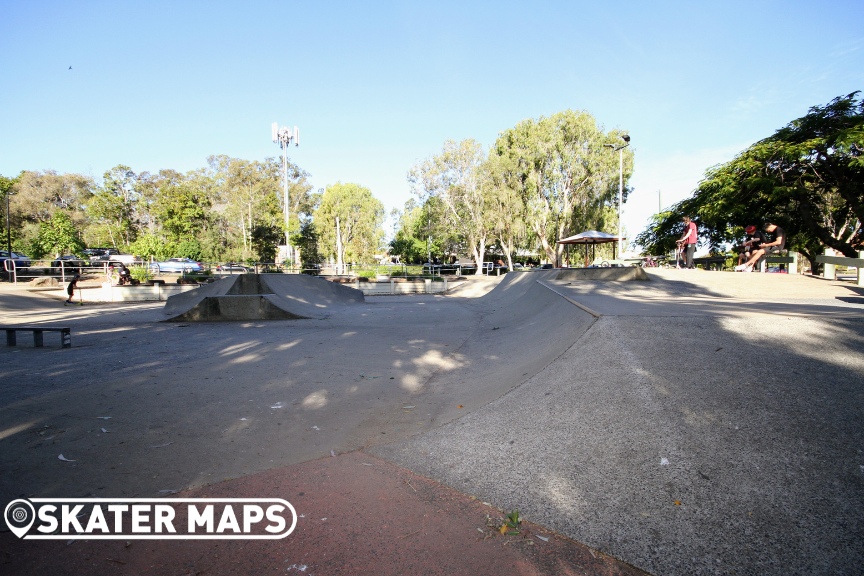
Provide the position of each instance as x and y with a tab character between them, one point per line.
155	293
624	274
402	286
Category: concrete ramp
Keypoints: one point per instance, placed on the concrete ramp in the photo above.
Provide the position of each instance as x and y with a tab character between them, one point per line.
523	326
261	297
617	274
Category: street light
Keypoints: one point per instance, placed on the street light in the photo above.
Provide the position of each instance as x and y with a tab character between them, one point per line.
283	136
620	149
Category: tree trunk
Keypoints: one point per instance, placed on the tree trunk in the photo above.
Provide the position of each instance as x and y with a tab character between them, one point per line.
339	249
479	254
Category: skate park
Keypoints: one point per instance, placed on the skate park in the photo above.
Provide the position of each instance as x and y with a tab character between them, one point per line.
684	422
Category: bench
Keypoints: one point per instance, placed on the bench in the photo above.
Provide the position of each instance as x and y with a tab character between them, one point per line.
791	261
711	262
831	261
11	332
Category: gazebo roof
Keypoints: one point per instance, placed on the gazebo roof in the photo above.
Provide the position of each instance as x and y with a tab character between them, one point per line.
590	237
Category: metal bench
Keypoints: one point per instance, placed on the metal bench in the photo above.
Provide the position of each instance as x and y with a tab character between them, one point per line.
11	334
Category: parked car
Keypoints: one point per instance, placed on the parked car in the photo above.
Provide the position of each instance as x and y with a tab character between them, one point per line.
232	267
70	261
177	265
21	260
100	256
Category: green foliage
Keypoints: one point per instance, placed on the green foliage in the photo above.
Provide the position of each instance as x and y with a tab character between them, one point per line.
564	173
453	177
57	236
416	225
348	222
264	242
181	208
189	248
307	241
150	246
140	273
808	178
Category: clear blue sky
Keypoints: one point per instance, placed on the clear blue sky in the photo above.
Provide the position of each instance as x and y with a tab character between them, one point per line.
377	86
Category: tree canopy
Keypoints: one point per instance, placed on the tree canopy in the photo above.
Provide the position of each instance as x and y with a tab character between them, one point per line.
564	173
808	177
348	223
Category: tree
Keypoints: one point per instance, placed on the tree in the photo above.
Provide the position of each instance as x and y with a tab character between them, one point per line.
411	233
307	242
506	204
454	178
6	190
565	175
111	209
58	236
808	177
181	205
349	223
248	196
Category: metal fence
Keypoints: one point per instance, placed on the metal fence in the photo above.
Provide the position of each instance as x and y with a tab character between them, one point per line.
63	271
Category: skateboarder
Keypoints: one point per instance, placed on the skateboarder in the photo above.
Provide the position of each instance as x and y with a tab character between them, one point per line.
70	289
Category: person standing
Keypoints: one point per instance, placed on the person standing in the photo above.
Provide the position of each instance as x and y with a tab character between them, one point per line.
70	289
688	241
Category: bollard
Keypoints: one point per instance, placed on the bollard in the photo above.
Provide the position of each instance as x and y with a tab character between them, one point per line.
428	284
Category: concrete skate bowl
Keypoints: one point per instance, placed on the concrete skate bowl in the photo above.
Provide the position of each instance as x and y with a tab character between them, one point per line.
523	327
261	297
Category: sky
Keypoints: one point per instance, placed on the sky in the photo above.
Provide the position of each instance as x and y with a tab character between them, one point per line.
376	87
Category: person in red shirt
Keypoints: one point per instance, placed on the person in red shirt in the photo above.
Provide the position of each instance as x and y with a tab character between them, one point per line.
688	241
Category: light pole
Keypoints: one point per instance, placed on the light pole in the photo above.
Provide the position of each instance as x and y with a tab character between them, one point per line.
283	136
620	149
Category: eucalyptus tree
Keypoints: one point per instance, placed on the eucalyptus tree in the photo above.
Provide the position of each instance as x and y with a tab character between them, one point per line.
111	209
565	174
349	223
247	197
35	196
454	177
181	204
6	190
506	206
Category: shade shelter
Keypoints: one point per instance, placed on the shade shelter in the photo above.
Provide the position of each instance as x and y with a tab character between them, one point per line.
592	238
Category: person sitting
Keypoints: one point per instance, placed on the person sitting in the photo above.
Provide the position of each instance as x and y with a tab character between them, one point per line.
754	240
767	248
123	275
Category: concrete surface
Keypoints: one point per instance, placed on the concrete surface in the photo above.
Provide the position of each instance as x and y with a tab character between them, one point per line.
707	423
357	515
261	297
697	423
